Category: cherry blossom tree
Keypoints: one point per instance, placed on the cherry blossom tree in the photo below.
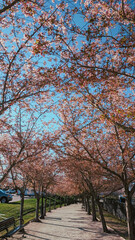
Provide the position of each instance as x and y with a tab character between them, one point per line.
84	177
21	140
41	178
20	182
45	49
6	6
97	57
24	76
85	135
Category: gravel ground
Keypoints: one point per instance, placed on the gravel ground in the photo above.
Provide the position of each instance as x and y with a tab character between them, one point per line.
66	223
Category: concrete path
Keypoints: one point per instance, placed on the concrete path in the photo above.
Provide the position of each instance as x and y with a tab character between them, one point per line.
66	223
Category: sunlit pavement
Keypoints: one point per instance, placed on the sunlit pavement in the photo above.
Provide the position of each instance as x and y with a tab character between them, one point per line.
17	198
66	223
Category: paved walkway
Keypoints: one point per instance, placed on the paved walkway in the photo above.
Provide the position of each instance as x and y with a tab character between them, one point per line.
66	223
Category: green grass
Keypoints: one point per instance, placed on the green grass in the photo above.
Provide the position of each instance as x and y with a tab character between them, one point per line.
13	210
9	209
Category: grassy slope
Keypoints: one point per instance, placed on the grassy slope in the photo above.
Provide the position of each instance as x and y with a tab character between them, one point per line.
13	210
119	226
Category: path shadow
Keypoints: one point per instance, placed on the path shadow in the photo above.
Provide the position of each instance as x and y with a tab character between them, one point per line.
53	218
78	222
65	226
78	218
14	203
51	235
35	236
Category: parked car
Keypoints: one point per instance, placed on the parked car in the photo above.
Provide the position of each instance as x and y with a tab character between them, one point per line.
11	191
5	197
28	192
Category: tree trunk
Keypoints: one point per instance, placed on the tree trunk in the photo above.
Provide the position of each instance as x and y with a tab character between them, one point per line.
55	203
67	201
130	218
42	207
37	210
88	206
49	205
85	200
94	217
60	203
102	216
45	205
21	209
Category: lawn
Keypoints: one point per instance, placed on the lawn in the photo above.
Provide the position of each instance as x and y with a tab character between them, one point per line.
13	210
